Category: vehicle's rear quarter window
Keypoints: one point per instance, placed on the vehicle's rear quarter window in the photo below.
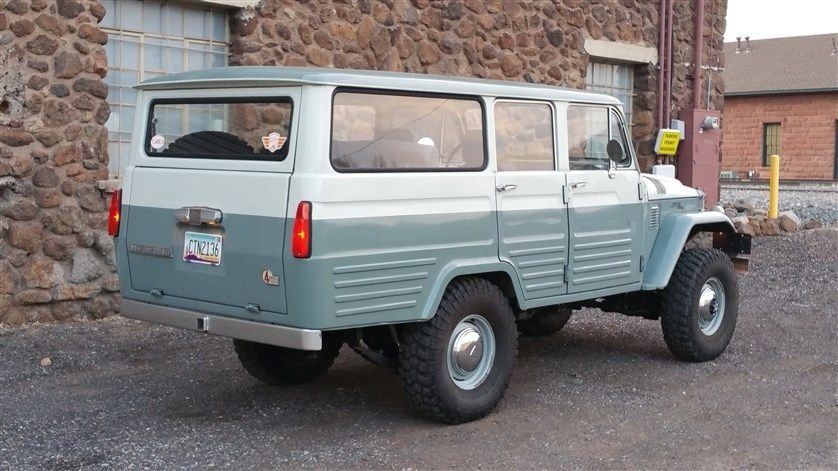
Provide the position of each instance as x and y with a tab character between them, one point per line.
382	132
237	129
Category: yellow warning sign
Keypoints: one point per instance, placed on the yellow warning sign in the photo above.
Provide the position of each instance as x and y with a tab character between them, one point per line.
667	142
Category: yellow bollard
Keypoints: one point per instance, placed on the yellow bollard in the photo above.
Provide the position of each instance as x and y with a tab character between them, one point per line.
774	188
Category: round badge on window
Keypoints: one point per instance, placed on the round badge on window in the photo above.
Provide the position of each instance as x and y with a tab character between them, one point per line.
158	142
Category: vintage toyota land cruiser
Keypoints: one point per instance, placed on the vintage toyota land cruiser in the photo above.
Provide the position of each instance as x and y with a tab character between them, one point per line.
423	221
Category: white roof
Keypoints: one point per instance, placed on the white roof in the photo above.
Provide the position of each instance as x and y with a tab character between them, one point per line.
241	77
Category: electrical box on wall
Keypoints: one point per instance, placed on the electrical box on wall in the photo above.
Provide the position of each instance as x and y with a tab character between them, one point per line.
699	159
679	125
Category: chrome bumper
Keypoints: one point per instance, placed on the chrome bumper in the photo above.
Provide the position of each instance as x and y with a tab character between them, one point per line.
300	339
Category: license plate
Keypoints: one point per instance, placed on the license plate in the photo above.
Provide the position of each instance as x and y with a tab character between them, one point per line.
202	248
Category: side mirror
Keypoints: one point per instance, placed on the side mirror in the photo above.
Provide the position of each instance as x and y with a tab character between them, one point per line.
615	151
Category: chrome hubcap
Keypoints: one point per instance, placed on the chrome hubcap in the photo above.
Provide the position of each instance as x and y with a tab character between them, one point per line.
711	306
471	352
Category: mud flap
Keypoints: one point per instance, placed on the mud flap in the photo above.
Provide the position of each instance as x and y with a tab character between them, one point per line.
737	246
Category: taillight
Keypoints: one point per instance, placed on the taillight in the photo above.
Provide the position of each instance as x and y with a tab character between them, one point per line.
301	237
115	213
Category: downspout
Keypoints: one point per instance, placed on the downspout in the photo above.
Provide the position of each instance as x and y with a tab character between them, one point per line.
698	45
670	61
661	52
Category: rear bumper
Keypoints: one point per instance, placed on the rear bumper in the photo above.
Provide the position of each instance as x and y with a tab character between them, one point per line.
289	337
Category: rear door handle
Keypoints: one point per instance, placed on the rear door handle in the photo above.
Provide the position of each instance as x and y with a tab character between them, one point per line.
507	187
579	185
197	215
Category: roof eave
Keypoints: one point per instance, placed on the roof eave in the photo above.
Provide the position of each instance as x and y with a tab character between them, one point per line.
799	91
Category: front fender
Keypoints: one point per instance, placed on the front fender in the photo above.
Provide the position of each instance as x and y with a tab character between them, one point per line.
673	234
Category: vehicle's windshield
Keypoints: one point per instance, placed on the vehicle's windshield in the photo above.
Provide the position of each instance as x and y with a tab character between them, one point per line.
244	129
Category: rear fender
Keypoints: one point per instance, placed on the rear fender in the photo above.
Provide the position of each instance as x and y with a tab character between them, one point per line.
674	232
500	273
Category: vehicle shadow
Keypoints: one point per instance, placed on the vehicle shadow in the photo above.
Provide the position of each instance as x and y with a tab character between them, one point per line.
354	389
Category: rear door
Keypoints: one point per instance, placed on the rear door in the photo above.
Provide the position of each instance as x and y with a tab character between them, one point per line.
532	216
207	202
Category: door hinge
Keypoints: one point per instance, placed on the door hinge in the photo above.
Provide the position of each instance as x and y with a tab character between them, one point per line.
565	198
642	263
564	274
640	187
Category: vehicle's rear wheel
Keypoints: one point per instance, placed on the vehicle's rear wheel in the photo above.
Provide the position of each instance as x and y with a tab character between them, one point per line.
280	366
700	305
544	321
456	366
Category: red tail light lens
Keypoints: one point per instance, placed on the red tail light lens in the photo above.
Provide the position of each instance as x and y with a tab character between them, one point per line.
301	237
115	213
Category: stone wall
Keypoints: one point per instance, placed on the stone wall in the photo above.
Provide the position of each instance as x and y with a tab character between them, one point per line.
528	41
56	259
807	134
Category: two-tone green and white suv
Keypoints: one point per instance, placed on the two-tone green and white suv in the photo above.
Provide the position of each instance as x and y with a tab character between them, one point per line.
424	221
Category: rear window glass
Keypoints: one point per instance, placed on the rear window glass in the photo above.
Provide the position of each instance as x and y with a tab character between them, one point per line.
378	132
236	129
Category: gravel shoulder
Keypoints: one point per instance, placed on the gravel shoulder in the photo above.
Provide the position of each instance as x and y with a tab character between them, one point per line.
603	393
813	201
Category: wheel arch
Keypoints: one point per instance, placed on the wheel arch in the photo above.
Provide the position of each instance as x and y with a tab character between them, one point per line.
499	273
675	231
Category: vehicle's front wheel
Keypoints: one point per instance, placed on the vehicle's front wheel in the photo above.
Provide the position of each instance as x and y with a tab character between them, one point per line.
456	366
280	366
700	304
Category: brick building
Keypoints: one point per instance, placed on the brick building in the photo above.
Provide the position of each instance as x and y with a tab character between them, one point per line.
781	98
67	102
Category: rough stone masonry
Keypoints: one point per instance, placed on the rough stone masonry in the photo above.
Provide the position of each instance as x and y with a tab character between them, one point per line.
537	41
56	261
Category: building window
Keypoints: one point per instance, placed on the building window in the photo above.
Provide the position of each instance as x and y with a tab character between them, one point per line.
770	142
147	39
616	80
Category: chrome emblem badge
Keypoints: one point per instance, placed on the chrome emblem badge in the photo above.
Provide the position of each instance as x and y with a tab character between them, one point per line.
269	278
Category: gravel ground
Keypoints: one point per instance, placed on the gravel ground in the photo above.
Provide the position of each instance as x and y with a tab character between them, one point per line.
807	201
603	393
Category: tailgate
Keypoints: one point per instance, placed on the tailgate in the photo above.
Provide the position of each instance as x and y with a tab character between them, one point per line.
171	254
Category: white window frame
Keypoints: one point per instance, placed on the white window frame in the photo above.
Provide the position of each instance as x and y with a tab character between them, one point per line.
608	85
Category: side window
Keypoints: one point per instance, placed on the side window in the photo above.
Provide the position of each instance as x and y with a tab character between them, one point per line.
380	132
587	137
589	128
524	136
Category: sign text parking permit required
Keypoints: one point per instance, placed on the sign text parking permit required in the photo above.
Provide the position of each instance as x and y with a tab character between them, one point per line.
667	142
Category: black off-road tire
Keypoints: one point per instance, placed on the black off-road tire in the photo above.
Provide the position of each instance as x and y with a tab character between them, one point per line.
280	366
679	305
544	321
423	363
